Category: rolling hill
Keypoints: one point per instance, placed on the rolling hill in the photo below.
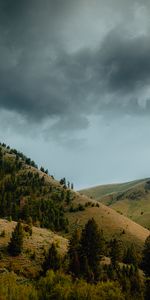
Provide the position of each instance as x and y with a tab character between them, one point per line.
131	199
27	192
112	223
53	211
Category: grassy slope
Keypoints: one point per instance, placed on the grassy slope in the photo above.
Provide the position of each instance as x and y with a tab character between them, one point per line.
112	223
131	199
102	190
29	262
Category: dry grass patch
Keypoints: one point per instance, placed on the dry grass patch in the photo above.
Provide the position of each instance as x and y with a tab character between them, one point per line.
35	246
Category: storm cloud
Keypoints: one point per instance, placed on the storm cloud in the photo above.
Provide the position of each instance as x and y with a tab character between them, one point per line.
75	86
43	77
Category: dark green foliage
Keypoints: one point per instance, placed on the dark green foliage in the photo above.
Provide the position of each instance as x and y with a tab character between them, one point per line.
63	182
68	197
130	256
146	257
86	251
129	279
52	260
77	208
24	194
147	289
16	243
116	252
73	253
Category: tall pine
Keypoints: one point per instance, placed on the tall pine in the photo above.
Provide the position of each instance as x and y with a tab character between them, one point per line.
91	248
16	243
52	259
73	253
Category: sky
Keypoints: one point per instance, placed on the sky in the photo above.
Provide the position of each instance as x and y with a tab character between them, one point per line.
75	86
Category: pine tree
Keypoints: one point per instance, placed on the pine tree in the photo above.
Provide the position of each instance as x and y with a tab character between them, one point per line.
146	257
16	243
73	253
130	256
52	260
91	247
115	251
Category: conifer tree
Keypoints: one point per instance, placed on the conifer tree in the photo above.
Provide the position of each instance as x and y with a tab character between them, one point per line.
52	260
16	243
130	256
91	247
115	251
146	257
73	253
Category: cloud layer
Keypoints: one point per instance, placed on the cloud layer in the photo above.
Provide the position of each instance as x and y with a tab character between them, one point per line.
43	77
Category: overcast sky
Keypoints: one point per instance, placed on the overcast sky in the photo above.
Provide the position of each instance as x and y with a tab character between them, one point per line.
75	86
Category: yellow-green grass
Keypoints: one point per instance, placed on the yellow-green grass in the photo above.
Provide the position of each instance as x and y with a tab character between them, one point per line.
137	210
99	191
130	199
112	223
28	263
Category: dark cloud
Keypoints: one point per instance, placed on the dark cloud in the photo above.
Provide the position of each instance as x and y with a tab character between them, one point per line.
40	78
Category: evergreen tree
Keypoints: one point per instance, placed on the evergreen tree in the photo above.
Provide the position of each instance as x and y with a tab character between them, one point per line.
115	252
52	260
16	243
73	253
146	257
130	256
91	247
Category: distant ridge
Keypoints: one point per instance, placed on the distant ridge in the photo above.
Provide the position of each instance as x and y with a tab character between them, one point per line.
132	199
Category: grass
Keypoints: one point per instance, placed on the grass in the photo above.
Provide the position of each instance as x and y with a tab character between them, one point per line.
29	262
102	190
112	223
132	199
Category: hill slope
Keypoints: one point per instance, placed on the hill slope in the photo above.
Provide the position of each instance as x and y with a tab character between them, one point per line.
112	223
29	262
132	199
26	191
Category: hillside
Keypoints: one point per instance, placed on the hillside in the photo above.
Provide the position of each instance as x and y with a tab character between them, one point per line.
112	223
53	211
132	199
27	192
28	263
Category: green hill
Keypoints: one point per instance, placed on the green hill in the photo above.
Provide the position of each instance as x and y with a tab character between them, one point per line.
132	199
27	192
54	211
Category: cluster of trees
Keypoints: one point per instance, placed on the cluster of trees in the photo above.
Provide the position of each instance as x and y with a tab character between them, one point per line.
66	184
84	263
56	285
82	267
25	194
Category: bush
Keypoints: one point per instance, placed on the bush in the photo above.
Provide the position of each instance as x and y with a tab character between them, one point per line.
10	288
